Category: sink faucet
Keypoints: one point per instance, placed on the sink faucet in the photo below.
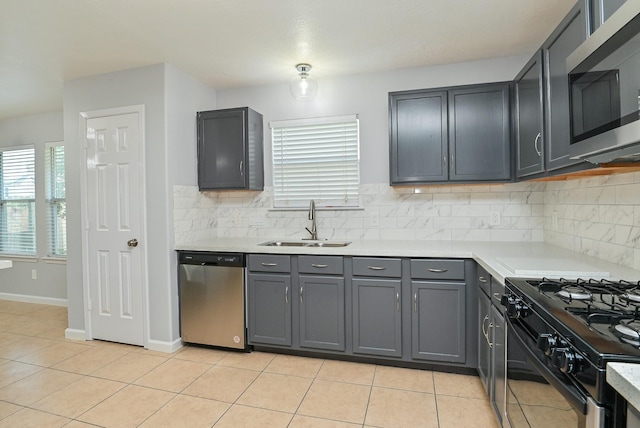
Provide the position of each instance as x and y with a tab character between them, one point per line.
312	216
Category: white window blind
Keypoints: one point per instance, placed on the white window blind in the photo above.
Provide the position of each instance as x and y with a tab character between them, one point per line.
316	159
17	201
55	198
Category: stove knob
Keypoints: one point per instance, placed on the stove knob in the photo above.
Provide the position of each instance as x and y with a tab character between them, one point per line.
547	343
569	362
516	308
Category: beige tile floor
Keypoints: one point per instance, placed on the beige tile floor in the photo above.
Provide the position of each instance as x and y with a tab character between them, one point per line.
47	381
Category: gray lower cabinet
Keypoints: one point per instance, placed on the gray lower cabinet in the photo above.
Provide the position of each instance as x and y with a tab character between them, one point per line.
377	317
269	307
322	312
438	321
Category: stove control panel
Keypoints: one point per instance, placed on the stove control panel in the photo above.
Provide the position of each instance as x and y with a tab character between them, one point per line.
547	343
516	308
561	354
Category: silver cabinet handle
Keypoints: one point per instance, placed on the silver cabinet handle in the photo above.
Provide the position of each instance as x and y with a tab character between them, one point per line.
286	294
482	279
241	168
319	266
535	144
497	296
376	267
484	331
453	160
444	160
490	343
415	302
269	264
301	292
397	301
438	270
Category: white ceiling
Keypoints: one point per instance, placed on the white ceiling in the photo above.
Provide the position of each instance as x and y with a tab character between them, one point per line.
234	43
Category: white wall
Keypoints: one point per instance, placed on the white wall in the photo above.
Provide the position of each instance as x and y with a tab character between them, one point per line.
50	285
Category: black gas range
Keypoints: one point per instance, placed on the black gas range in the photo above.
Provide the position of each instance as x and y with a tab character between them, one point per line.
565	332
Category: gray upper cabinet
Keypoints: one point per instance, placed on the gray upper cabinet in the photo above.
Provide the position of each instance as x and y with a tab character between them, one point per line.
571	32
529	115
418	137
230	153
450	134
322	312
438	321
479	133
601	10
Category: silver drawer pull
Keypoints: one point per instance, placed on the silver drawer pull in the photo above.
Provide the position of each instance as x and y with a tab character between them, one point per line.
301	294
482	279
415	302
318	266
286	294
438	270
397	301
497	296
269	264
376	267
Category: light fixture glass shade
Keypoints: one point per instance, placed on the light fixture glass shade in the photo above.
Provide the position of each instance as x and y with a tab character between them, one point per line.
302	87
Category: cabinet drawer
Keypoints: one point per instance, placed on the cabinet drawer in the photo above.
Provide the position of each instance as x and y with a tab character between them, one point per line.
329	265
370	266
484	280
437	269
269	263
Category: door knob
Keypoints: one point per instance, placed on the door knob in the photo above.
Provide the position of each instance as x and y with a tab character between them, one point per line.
132	242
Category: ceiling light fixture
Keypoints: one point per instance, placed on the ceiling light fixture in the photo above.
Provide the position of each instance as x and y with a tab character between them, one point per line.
302	87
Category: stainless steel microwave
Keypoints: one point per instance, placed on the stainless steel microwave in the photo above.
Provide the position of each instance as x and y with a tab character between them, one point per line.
604	90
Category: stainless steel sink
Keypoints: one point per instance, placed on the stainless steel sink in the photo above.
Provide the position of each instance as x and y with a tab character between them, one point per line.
309	243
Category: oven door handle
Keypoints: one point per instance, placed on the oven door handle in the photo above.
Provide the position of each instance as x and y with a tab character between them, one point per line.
569	391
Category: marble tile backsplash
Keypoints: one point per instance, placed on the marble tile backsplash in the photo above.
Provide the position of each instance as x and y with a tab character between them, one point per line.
456	212
598	216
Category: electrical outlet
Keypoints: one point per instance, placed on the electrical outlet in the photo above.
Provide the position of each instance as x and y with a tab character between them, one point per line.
375	221
34	274
494	218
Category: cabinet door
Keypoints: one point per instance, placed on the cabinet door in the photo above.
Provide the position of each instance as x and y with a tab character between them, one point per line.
221	149
479	133
529	131
269	309
564	40
484	351
499	371
418	136
438	321
322	323
377	317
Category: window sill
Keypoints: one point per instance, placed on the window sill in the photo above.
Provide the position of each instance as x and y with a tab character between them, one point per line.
17	258
55	260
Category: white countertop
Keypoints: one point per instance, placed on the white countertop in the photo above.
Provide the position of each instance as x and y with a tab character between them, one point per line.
546	260
4	264
625	378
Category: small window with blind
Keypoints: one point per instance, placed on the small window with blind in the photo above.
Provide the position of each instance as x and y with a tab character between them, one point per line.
17	201
316	159
55	199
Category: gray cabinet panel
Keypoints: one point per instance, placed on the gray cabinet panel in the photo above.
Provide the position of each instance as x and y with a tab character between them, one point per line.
437	269
529	116
376	266
479	133
438	321
269	263
418	136
322	312
377	317
564	40
327	265
484	350
230	149
269	309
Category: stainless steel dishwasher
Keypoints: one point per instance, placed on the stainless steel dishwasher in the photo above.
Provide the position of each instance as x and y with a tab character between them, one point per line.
211	287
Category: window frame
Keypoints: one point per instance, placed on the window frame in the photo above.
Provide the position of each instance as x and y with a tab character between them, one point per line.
52	201
320	127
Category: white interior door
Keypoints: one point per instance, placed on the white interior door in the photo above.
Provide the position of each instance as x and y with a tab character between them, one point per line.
114	215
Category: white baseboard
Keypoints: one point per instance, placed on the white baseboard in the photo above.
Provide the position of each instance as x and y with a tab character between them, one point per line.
75	334
161	346
33	299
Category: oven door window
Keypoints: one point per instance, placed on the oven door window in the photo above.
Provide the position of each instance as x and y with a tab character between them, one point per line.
531	400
